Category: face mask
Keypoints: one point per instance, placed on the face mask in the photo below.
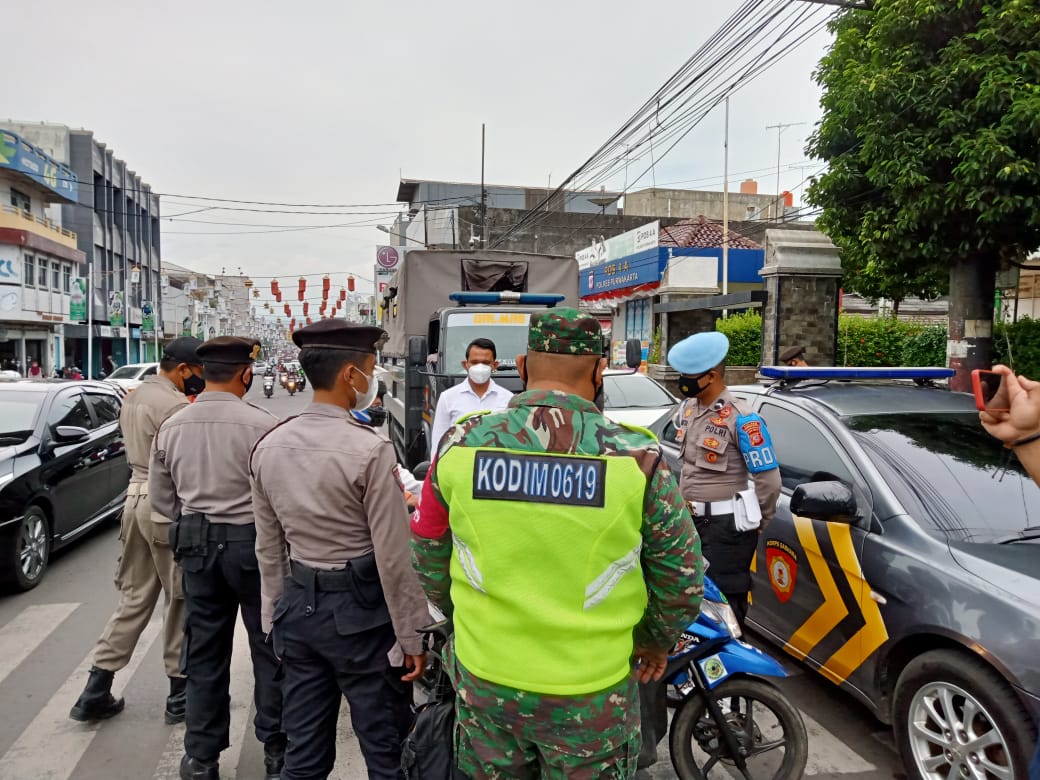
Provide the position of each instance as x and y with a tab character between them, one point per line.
690	386
479	373
248	384
193	385
363	401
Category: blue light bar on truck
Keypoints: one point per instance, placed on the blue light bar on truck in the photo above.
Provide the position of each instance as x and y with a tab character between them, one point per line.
854	372
529	299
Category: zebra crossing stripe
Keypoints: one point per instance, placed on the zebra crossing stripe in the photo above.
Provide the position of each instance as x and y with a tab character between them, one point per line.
26	631
52	745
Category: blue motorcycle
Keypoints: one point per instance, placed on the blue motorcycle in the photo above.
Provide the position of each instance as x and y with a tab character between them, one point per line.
729	720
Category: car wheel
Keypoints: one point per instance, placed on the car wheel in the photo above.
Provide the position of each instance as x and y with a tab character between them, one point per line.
954	717
28	550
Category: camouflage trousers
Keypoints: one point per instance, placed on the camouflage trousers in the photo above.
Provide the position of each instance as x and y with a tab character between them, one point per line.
505	734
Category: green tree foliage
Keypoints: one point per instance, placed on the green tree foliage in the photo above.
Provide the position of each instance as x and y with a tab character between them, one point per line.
930	130
926	347
744	332
1017	344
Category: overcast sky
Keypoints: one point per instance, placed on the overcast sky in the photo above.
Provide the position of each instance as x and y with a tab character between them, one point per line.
327	101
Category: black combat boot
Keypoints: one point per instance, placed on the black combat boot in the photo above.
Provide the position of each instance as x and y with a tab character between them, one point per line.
197	769
274	757
97	702
176	701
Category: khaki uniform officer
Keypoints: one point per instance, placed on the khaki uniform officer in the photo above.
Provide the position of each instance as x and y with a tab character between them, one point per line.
339	593
199	475
146	567
723	446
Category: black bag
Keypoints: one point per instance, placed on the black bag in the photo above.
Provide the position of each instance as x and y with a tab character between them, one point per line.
428	752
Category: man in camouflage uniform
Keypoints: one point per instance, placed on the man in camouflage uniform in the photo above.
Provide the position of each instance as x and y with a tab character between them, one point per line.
560	545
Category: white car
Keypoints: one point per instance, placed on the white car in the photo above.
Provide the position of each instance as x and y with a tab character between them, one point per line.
130	376
634	398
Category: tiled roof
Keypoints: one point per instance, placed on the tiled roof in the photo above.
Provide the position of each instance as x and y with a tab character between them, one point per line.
702	232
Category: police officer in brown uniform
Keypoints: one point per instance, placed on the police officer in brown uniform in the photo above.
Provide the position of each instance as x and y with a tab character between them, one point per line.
199	475
339	593
146	567
723	445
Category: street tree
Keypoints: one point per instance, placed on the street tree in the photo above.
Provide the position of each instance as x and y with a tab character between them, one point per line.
931	132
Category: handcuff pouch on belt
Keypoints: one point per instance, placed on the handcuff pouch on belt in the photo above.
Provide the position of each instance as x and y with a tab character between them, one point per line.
188	539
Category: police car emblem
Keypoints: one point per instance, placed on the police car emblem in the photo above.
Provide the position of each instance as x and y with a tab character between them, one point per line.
782	564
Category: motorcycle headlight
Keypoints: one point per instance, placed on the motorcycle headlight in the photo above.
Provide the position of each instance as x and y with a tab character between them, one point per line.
724	614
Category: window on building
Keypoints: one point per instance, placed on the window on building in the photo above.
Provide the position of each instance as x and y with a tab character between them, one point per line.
55	275
20	200
30	271
66	279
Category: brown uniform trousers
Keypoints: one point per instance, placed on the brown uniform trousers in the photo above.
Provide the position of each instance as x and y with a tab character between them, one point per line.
146	570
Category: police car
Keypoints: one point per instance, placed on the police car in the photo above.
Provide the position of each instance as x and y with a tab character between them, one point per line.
903	563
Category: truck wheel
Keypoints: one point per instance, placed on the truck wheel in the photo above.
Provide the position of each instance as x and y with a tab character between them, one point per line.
954	717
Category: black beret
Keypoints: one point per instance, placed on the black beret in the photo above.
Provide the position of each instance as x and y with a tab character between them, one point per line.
230	350
340	334
183	350
791	353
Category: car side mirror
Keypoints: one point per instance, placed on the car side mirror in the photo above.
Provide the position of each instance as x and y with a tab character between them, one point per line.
417	352
633	353
420	471
830	501
70	434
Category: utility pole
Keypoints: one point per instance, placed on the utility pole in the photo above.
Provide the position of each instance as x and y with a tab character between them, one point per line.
483	194
725	210
780	127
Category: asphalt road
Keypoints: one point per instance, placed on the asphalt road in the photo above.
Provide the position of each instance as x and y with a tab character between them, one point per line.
46	639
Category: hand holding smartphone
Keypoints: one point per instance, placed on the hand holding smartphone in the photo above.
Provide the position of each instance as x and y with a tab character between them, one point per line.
988	396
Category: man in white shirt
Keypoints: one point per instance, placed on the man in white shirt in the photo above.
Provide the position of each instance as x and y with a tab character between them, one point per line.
477	394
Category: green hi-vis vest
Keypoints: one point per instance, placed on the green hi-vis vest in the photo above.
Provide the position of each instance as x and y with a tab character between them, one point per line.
546	579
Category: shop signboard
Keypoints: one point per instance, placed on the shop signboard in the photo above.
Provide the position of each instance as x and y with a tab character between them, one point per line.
627	244
643	268
78	300
19	155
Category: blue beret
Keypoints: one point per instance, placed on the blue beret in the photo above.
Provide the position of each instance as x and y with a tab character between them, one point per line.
699	353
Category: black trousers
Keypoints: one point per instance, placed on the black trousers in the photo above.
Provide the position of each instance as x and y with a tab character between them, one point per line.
225	582
729	553
329	649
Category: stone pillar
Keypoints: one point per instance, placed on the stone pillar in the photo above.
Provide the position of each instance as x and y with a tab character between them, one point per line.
802	275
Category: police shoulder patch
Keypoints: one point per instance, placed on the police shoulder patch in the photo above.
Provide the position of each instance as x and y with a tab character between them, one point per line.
756	445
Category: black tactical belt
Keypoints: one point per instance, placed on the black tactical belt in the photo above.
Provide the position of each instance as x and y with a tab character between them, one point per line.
226	532
328	581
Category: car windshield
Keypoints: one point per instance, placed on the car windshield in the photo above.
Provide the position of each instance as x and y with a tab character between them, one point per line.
507	330
126	372
944	467
18	412
634	391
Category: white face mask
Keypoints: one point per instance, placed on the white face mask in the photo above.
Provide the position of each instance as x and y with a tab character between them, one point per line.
480	373
364	400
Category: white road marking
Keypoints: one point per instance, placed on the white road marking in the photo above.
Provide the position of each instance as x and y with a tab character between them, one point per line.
24	633
52	745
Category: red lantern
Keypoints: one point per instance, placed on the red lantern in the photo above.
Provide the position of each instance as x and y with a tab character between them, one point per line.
288	311
325	284
274	288
350	283
292	324
278	297
303	287
342	293
306	308
308	320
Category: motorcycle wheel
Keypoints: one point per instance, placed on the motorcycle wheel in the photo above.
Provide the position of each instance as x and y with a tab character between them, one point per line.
765	723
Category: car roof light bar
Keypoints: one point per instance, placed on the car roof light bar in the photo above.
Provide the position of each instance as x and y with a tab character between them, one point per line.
530	299
854	372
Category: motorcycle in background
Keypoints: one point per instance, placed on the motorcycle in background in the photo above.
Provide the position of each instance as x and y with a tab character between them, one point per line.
290	385
301	382
729	719
268	386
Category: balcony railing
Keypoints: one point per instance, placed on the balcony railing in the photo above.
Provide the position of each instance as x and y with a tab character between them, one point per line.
11	217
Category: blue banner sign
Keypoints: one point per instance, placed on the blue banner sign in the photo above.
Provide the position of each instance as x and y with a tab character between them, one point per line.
19	155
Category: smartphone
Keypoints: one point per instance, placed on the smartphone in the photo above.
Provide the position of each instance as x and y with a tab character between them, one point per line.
986	384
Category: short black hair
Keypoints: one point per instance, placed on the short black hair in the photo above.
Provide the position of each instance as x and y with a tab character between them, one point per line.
322	365
482	344
222	372
167	364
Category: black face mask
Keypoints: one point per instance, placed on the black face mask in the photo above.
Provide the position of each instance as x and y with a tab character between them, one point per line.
377	416
193	385
248	384
690	386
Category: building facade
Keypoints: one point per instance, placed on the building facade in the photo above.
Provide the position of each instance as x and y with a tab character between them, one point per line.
115	218
39	259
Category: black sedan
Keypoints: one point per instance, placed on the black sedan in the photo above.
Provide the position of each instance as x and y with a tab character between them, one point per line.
63	470
903	565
